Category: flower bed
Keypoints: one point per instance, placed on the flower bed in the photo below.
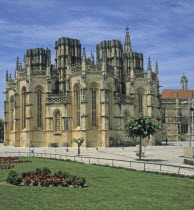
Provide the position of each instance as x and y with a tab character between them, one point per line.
6	166
43	178
13	160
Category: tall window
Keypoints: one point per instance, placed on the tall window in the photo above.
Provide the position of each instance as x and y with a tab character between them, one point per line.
39	109
57	122
109	93
184	125
140	99
66	124
94	109
78	106
23	107
11	112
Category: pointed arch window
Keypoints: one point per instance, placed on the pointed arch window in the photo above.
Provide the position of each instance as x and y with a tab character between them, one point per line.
23	107
140	100
77	93
39	108
109	93
57	122
184	125
94	108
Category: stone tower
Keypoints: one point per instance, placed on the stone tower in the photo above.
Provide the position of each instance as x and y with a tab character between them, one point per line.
184	82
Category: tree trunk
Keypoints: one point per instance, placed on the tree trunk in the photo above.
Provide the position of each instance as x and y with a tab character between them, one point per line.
140	149
78	149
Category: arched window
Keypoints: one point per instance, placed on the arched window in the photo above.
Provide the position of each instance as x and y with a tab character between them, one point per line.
11	112
77	95
94	108
23	107
39	108
109	93
184	125
140	101
57	122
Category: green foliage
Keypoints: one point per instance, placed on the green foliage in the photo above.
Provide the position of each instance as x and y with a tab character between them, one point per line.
46	171
81	181
1	124
27	182
79	142
143	126
13	178
47	183
38	171
35	182
55	182
54	144
109	188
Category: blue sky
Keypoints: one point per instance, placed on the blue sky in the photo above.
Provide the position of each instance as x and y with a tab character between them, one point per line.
162	29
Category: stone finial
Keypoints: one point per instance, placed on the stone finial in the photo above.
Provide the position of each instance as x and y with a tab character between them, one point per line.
92	58
127	45
84	54
7	75
17	63
149	66
184	82
10	77
156	68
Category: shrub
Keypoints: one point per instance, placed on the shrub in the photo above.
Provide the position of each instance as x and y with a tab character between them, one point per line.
55	182
53	144
42	183
27	182
81	181
47	183
13	178
38	171
67	182
35	183
46	171
65	175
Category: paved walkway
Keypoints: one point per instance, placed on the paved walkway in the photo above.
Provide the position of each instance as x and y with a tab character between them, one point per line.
170	154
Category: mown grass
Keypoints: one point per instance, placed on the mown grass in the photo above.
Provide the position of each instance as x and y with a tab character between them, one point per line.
109	188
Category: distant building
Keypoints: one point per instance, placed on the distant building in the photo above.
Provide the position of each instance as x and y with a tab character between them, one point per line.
78	97
174	112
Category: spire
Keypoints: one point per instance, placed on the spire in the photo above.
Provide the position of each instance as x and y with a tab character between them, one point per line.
10	77
17	63
127	47
84	54
184	82
149	66
156	68
7	75
92	58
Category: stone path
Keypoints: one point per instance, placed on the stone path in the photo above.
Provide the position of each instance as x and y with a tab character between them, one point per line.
169	155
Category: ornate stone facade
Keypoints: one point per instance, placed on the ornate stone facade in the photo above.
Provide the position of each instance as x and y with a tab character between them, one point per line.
174	112
78	97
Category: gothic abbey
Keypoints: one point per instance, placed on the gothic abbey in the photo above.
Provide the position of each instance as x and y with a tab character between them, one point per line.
78	97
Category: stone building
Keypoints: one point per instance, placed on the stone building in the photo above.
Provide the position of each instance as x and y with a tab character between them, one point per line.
174	112
78	97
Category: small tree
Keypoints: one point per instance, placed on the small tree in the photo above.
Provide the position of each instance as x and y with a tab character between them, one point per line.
142	127
79	142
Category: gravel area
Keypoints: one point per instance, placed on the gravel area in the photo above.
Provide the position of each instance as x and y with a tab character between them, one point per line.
154	160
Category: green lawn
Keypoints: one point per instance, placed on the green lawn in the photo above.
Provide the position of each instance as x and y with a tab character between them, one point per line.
109	188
